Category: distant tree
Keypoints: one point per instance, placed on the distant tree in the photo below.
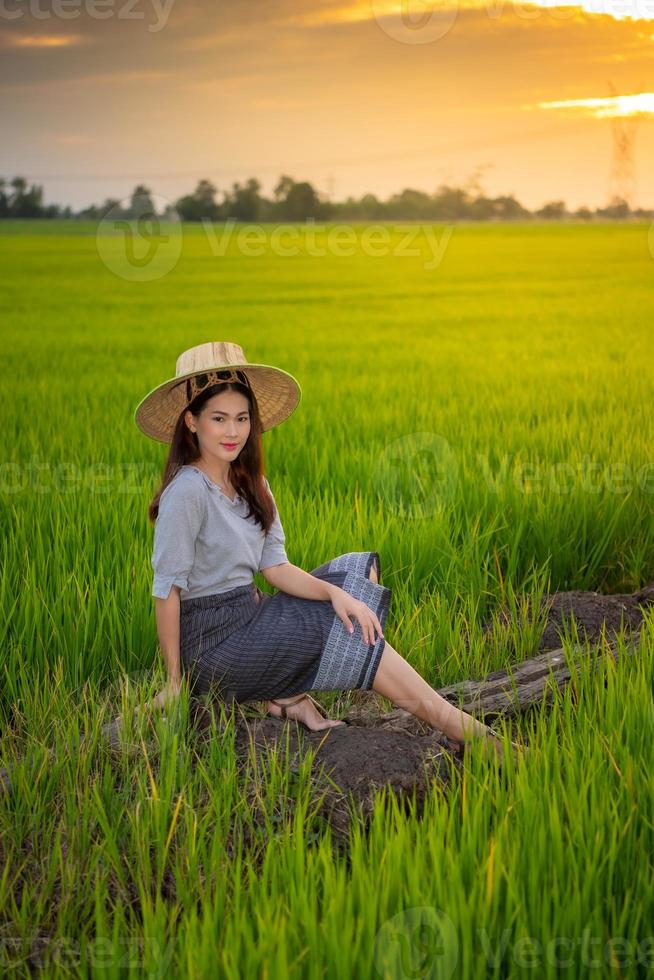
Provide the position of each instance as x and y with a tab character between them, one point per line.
506	208
483	208
367	208
169	212
111	204
24	202
371	207
553	209
19	185
95	212
451	203
618	208
410	205
245	202
297	201
200	204
91	212
141	203
283	187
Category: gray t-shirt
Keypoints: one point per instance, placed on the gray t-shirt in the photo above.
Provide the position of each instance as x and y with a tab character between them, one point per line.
203	541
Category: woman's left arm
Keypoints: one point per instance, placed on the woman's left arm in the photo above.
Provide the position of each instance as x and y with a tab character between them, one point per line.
289	578
294	580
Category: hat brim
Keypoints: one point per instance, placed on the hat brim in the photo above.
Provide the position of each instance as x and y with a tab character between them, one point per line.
277	392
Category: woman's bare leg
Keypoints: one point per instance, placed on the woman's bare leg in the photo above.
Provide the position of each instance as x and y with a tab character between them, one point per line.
397	680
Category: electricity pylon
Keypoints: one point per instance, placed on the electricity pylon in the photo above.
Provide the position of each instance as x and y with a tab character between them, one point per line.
622	177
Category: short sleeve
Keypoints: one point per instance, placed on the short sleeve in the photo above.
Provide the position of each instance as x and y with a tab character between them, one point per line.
182	508
274	551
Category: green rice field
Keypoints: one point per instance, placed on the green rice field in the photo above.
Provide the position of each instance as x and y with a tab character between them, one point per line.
477	407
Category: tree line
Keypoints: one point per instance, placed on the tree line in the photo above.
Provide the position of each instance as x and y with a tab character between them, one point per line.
299	201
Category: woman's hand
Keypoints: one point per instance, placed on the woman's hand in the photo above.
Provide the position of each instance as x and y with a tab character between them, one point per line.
346	605
167	696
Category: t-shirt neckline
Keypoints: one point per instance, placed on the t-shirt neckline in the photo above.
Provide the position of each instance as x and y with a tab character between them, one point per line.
214	486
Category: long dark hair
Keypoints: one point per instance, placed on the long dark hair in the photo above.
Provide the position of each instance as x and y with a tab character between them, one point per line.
246	472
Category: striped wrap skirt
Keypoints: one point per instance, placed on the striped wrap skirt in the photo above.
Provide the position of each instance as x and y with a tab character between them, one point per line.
249	645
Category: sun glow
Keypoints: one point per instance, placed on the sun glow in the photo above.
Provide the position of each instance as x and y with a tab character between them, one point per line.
415	11
641	104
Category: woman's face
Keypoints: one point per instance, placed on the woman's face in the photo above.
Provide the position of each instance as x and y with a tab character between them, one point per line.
223	425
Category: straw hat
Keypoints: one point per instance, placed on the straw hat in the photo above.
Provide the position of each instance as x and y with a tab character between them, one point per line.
277	392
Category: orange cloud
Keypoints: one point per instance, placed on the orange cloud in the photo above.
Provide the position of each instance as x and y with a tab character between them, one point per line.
40	40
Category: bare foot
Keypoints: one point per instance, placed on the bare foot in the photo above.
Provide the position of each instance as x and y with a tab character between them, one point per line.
305	711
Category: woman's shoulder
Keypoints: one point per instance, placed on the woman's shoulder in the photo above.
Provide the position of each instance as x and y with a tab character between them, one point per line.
192	474
187	483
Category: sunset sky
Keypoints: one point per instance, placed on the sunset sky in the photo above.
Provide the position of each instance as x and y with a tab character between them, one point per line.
354	97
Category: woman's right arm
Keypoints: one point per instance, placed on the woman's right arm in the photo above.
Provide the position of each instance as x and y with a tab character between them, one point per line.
182	510
167	613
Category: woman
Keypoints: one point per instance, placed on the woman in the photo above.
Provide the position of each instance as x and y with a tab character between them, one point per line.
217	524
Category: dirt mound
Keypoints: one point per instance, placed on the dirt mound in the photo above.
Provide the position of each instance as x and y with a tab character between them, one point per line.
353	762
592	612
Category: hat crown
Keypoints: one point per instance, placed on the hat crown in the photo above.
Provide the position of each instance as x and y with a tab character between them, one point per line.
277	392
207	356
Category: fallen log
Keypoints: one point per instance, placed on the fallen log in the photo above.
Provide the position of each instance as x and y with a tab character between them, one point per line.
511	692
